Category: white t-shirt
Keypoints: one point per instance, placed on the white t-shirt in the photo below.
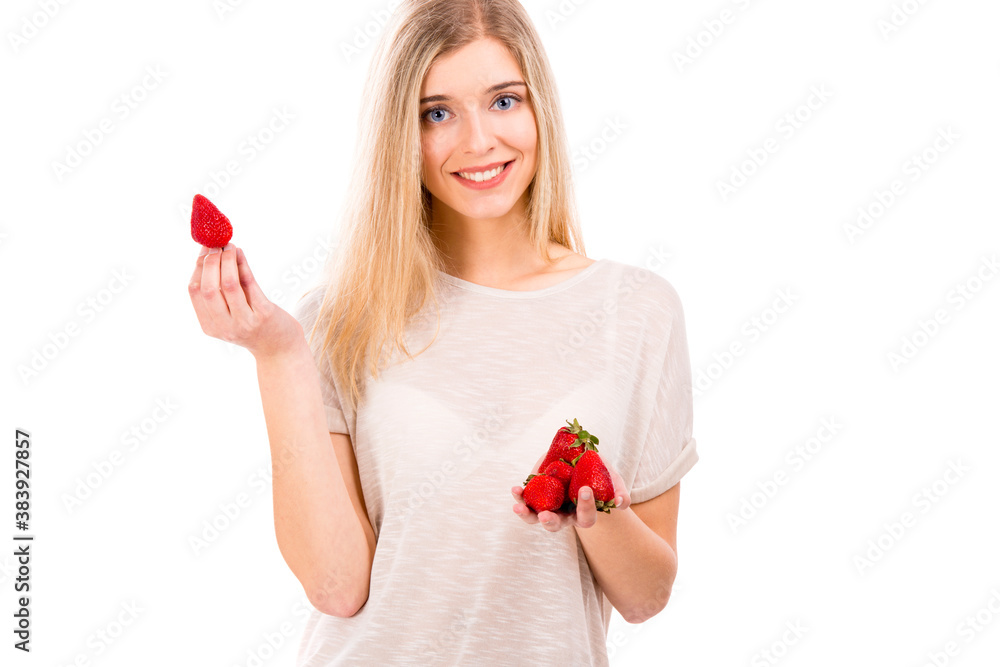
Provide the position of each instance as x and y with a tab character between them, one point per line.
458	578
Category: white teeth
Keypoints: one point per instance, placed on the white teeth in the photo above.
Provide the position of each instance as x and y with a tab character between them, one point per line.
481	176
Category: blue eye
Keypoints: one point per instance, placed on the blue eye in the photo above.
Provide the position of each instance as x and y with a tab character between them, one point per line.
432	115
433	110
513	98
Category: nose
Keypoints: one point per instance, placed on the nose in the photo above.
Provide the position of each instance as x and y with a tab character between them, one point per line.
478	137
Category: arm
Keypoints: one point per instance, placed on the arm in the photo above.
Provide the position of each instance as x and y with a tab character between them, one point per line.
320	521
633	554
631	551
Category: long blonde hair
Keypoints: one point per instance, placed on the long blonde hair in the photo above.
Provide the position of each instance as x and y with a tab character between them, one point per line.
384	266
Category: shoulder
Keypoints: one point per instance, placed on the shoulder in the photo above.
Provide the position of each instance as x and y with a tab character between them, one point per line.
307	304
650	305
308	307
647	290
570	260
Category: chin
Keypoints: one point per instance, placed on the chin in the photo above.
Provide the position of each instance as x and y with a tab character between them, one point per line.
487	212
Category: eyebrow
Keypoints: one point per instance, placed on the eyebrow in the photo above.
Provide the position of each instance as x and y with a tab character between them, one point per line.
491	89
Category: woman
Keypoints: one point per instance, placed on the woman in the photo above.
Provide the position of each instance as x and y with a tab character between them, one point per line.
391	469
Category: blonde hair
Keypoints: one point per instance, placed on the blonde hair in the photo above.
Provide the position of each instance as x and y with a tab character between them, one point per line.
384	267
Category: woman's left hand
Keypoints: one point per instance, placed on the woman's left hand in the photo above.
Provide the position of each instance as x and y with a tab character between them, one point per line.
586	509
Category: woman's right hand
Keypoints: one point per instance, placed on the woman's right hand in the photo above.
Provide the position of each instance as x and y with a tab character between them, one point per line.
231	306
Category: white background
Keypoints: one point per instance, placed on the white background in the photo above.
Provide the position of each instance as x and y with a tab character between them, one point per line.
672	132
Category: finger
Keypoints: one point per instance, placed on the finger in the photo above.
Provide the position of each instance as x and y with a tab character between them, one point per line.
194	291
211	291
255	295
232	291
623	500
586	508
521	508
550	521
525	513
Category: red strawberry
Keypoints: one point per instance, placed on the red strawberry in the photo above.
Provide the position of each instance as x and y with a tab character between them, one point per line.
208	226
569	443
589	470
543	492
561	470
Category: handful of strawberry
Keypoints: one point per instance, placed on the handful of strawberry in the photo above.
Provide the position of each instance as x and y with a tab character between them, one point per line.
571	462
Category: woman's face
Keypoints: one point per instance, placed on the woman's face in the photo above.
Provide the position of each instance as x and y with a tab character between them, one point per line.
479	118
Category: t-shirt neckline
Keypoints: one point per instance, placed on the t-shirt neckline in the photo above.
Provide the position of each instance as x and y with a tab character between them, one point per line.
523	294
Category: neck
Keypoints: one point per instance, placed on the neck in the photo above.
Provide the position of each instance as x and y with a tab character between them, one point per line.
483	249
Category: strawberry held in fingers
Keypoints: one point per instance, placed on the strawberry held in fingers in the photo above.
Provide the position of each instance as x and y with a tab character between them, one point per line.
543	492
209	226
589	470
568	443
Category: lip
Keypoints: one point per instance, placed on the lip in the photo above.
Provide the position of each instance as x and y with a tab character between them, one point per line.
485	167
485	185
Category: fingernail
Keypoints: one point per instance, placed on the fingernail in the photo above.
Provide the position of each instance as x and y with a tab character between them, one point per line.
214	251
585	494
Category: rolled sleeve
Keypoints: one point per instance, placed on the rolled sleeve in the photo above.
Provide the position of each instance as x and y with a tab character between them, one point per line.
306	310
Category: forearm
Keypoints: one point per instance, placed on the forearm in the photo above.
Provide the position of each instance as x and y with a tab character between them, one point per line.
634	566
319	535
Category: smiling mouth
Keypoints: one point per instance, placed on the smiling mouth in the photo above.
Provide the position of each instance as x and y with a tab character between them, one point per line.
479	177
